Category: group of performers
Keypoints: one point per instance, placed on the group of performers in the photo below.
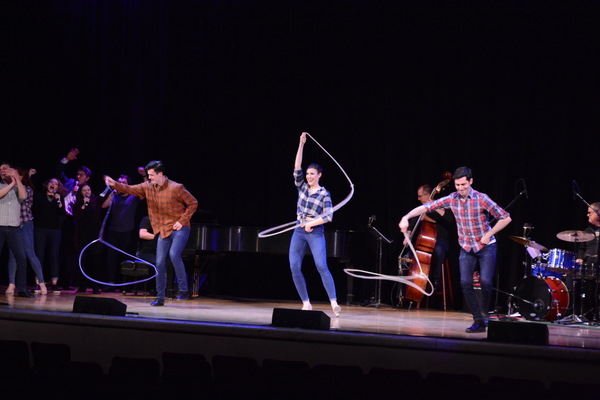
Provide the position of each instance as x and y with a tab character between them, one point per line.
466	209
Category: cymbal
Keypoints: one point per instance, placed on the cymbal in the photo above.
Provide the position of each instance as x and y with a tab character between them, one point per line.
527	242
575	236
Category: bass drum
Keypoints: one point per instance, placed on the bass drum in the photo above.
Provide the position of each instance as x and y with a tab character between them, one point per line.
541	298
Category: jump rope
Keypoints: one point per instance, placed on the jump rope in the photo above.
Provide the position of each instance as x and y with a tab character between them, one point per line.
357	273
276	230
105	243
407	280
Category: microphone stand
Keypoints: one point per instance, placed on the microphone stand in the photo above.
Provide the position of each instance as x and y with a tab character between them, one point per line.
507	317
521	193
380	239
511	203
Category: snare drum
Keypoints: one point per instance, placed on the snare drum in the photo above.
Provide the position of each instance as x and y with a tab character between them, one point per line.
560	261
587	271
539	298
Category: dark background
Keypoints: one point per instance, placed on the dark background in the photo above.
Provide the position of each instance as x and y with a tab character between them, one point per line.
397	91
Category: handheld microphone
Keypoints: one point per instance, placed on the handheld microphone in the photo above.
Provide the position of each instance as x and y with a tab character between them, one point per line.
86	203
57	198
105	192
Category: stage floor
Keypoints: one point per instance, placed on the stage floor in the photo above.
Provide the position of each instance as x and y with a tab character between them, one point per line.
384	320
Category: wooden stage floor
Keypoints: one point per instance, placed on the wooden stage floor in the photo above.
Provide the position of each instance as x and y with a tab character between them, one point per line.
384	319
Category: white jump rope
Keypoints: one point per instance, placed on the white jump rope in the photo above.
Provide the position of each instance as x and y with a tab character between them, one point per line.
276	230
407	280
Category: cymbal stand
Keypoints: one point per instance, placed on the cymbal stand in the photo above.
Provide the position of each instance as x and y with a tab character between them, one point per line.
527	228
380	239
595	321
574	318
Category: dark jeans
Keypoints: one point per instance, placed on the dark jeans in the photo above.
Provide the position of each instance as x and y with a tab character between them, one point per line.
487	265
47	244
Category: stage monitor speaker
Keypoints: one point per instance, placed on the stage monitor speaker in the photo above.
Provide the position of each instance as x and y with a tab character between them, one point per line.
99	305
287	318
518	332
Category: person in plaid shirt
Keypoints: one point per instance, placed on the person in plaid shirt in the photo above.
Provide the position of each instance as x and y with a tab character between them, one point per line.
170	208
12	193
313	209
476	238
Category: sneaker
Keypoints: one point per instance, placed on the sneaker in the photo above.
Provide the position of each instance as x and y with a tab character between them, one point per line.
477	327
336	310
158	302
183	296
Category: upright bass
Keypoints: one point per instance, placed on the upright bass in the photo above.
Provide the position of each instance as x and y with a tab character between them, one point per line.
425	236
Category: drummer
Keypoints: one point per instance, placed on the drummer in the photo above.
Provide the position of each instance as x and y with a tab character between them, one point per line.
587	252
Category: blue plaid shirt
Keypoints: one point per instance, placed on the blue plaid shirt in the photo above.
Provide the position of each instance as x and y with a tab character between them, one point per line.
315	205
26	214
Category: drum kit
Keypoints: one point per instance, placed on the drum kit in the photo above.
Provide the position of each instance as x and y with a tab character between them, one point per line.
544	294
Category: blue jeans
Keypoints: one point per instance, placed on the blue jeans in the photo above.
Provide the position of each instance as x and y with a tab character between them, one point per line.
487	266
47	243
301	241
173	246
12	236
27	241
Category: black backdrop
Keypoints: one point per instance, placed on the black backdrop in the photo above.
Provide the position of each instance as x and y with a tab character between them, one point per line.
397	91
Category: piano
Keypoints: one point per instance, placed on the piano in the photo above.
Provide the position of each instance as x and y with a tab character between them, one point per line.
216	238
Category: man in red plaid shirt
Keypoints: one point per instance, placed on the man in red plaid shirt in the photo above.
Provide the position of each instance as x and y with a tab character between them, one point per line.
476	239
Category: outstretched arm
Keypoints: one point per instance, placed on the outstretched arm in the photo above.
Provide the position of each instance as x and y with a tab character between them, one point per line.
298	162
415	212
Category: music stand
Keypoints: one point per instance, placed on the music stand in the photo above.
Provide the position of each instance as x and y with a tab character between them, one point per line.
380	239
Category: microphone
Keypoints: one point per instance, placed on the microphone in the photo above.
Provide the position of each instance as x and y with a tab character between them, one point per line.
86	203
524	191
372	218
575	189
56	198
105	192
